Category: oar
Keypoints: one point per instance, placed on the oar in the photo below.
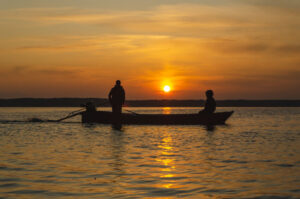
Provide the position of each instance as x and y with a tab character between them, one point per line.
72	114
131	112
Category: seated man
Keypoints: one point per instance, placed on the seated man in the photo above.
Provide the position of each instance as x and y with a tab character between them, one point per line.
210	103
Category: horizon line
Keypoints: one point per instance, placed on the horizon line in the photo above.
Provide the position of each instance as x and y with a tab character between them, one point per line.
148	99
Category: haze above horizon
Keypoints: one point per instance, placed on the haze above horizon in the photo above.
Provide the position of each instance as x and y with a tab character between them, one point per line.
240	49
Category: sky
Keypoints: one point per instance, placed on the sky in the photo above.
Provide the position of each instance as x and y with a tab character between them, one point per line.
241	49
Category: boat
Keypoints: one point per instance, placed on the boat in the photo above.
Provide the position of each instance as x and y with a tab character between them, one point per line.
106	117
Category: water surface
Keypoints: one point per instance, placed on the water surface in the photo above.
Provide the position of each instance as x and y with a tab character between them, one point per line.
255	155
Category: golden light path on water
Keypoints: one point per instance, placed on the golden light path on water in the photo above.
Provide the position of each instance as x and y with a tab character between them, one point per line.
166	160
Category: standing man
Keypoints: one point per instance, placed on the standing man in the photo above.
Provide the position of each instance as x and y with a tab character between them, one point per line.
117	98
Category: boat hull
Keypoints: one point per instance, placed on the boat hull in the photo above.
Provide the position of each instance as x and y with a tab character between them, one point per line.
106	117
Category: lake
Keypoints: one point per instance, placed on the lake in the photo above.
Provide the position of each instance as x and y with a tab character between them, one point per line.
256	155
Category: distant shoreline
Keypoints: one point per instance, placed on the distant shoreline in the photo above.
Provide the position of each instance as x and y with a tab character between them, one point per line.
76	102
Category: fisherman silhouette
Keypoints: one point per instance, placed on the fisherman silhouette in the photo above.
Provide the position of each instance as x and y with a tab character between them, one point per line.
117	98
210	103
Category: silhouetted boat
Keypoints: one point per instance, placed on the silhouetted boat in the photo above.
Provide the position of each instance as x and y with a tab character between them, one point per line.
106	117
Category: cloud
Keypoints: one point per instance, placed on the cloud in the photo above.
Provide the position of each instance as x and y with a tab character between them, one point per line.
55	43
40	47
20	69
58	72
251	47
233	20
163	17
29	71
59	47
287	7
235	46
17	70
288	48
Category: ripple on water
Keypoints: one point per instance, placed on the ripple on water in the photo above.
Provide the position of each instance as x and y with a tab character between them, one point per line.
48	181
173	178
153	166
235	161
10	179
165	192
136	157
249	181
27	191
219	191
96	184
284	165
271	197
16	153
74	172
12	168
8	185
295	190
50	193
265	160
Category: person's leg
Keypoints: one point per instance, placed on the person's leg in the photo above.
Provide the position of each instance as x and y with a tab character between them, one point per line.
117	113
117	108
120	109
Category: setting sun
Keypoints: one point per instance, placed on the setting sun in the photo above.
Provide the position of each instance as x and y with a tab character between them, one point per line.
167	88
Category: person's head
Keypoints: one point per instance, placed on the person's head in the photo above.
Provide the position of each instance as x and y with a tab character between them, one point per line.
118	82
209	93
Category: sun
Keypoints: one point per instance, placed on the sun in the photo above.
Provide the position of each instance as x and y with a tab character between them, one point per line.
167	88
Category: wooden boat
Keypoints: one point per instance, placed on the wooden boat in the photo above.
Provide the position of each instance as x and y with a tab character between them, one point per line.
106	117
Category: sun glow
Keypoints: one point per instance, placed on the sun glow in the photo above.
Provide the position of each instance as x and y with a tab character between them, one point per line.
167	89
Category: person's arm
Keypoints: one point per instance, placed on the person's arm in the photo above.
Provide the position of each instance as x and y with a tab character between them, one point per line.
206	106
215	105
109	95
123	96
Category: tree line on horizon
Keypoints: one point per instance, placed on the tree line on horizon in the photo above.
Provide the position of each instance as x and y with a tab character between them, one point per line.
77	102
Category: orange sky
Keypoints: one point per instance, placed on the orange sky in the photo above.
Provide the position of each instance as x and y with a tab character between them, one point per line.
241	49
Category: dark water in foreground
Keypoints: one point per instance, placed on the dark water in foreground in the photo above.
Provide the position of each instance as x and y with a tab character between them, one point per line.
255	156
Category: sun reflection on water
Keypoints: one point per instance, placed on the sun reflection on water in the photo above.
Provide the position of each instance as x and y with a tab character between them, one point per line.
166	110
165	158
